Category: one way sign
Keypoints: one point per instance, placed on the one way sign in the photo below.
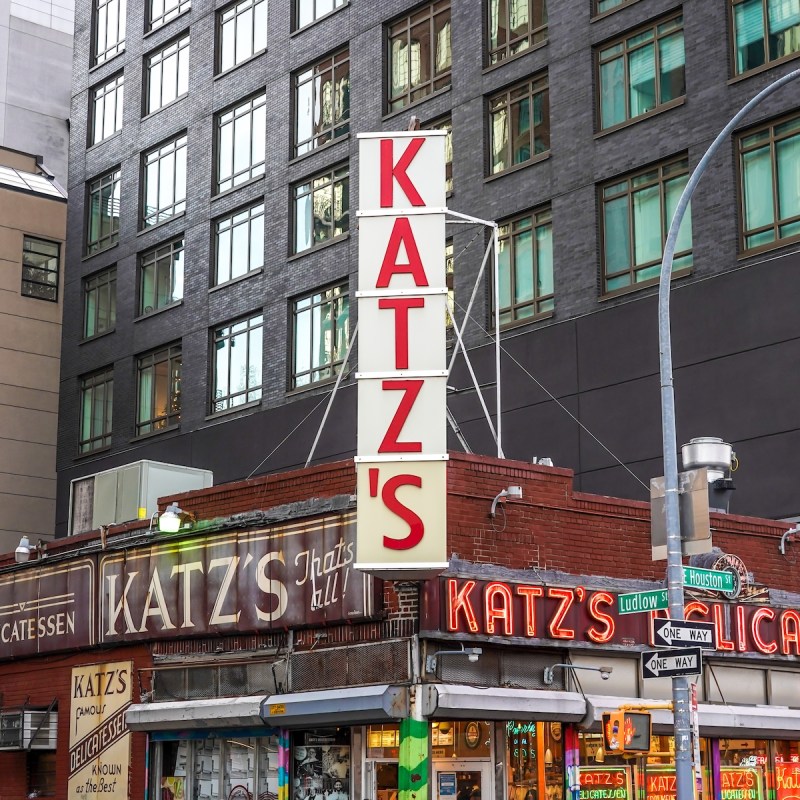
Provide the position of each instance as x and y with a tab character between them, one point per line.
671	663
684	633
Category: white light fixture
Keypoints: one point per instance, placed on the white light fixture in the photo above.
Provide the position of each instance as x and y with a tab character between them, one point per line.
24	550
472	654
511	491
605	672
172	519
548	757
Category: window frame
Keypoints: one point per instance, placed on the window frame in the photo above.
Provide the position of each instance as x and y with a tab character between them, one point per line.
401	27
26	238
662	180
543	304
254	9
445	123
337	173
596	12
765	41
115	86
247	107
624	41
154	22
533	38
173	250
338	5
162	214
182	50
172	356
111	178
311	74
537	85
251	394
92	283
253	212
96	439
101	8
337	296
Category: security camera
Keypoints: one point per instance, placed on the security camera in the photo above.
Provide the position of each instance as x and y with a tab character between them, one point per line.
605	672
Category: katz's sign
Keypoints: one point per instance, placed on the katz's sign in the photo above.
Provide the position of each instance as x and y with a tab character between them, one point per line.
402	295
575	614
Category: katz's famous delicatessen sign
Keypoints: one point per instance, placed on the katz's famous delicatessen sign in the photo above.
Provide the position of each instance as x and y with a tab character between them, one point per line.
543	614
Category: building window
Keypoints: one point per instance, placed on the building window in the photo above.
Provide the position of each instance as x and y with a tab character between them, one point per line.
445	124
449	262
40	268
237	349
97	396
239	244
641	72
109	29
160	12
158	381
241	32
100	303
769	160
167	74
515	25
764	31
526	267
322	102
164	181
419	54
307	11
161	277
320	326
41	774
519	124
106	111
601	6
102	222
637	211
321	208
241	143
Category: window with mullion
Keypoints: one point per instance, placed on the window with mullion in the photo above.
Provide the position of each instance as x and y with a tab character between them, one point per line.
109	29
241	143
237	370
40	268
97	397
321	208
419	54
158	381
99	303
307	11
519	124
445	124
637	211
320	334
102	218
160	12
106	111
514	25
161	277
641	72
164	193
322	102
167	74
525	267
769	165
241	32
239	244
764	31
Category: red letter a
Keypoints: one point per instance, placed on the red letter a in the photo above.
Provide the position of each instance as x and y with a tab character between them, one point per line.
401	234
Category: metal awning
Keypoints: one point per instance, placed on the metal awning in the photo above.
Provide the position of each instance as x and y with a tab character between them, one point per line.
453	701
355	705
222	712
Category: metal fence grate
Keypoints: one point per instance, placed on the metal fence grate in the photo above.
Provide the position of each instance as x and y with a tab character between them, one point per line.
226	680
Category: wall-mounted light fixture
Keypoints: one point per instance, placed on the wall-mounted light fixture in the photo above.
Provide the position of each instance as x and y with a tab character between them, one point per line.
511	491
786	534
605	672
472	654
173	518
25	549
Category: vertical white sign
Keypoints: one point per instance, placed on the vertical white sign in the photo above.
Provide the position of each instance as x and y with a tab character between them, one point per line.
402	295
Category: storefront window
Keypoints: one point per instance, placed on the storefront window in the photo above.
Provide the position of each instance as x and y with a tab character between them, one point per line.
383	747
535	760
787	770
321	765
460	740
742	768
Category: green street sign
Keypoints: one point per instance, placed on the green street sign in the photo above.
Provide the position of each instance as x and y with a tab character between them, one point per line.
711	579
637	602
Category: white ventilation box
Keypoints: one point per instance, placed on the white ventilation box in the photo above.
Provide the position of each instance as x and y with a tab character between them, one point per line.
28	730
116	495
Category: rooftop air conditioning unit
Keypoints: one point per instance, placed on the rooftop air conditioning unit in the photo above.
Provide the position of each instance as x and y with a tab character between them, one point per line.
116	495
28	730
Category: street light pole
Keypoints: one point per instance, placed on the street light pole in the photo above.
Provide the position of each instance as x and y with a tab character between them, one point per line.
680	685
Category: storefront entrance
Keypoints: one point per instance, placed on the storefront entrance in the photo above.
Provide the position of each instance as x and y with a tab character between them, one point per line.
462	780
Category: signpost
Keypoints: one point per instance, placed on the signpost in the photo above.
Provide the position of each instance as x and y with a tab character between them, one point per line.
635	602
714	580
672	663
684	633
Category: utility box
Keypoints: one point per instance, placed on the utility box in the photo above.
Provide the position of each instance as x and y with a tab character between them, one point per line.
116	495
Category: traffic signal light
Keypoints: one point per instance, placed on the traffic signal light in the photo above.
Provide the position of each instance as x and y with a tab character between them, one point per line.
626	732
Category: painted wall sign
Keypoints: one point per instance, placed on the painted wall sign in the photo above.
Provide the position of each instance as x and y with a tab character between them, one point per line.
283	576
543	614
402	293
99	741
47	609
605	783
